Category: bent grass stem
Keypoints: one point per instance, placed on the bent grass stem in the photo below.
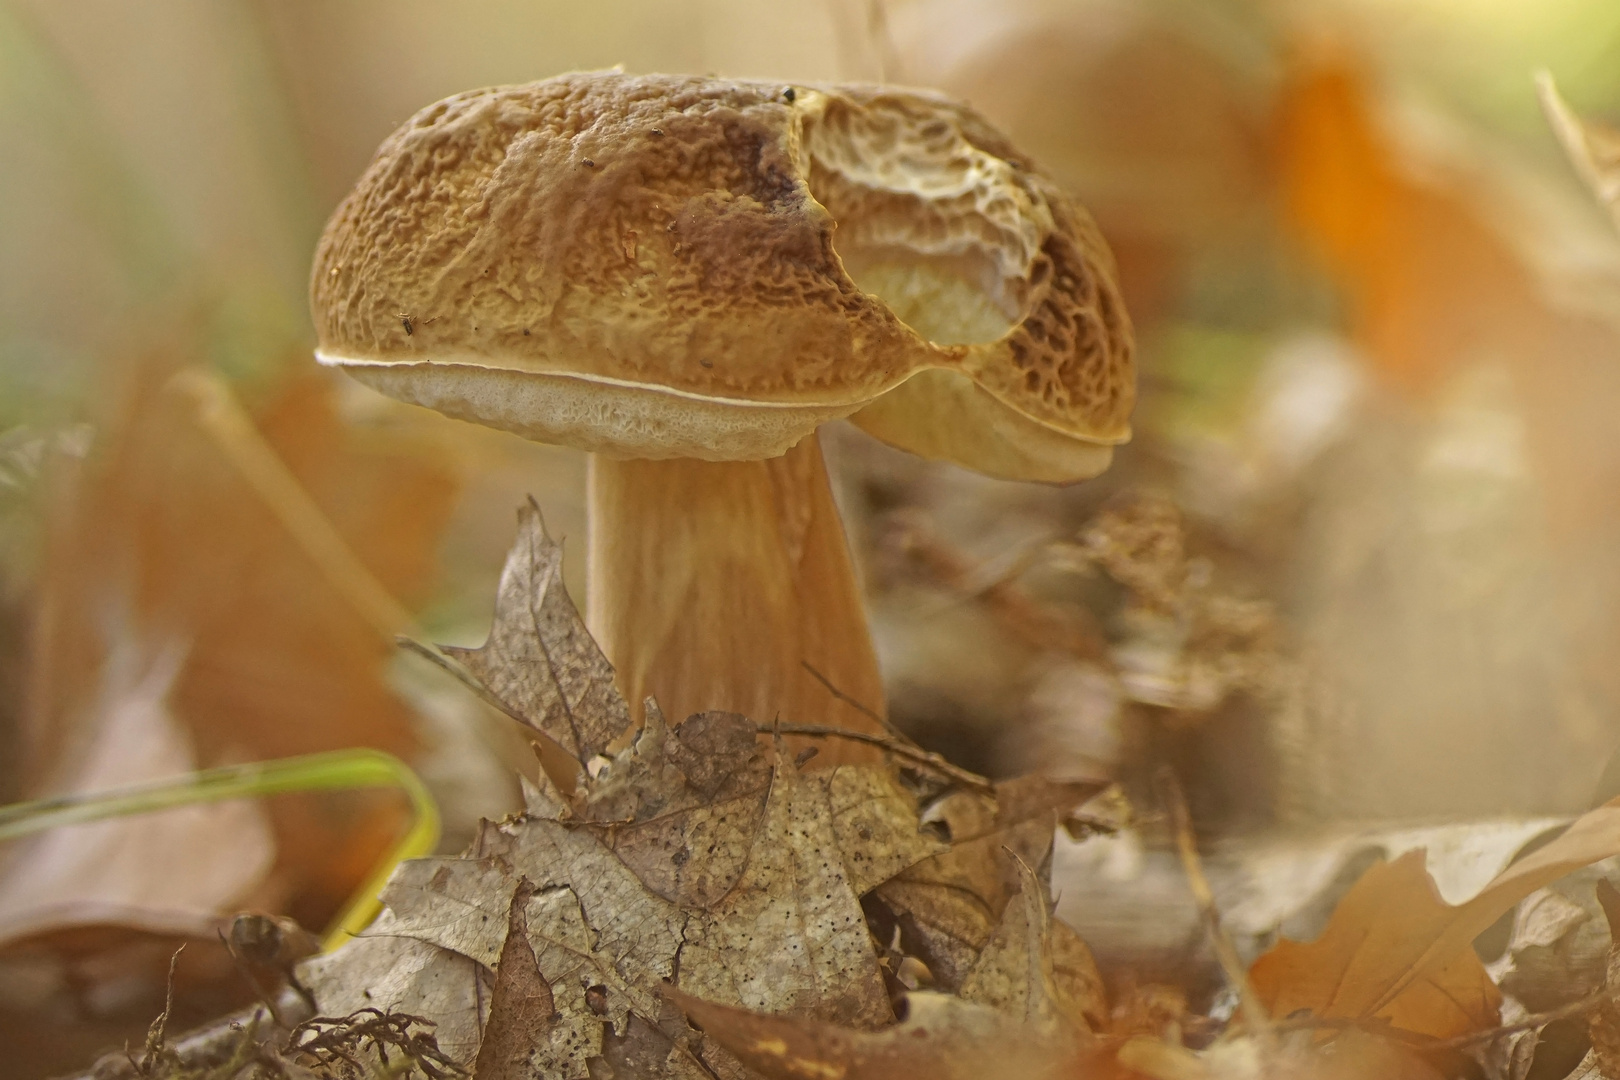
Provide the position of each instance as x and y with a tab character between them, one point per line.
335	770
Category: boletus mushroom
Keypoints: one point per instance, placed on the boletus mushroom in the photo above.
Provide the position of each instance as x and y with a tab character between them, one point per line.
687	277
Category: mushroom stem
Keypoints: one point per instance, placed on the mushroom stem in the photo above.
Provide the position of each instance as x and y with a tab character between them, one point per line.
713	584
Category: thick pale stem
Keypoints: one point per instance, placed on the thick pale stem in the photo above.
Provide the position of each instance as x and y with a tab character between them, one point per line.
713	584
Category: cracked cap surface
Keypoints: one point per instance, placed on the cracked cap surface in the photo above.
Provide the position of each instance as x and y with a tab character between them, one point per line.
662	266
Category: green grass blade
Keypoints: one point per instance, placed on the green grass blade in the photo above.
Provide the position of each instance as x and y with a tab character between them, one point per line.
336	770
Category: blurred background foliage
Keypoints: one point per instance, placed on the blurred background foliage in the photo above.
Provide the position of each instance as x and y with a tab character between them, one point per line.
1360	560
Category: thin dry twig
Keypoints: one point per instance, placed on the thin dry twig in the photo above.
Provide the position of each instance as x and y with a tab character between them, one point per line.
1175	804
1529	1023
1428	1043
858	706
1008	602
896	747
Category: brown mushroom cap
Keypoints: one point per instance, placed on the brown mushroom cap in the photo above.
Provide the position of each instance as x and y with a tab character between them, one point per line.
646	266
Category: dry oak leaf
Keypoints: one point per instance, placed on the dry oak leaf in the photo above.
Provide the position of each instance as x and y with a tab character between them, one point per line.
540	661
590	922
1394	950
1351	1055
1593	148
687	840
1603	1026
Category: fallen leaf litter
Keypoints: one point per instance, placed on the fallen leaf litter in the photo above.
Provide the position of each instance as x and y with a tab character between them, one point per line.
701	907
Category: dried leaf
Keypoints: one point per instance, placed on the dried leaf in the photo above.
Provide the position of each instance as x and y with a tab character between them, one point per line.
590	918
1394	950
1379	932
539	660
172	872
401	974
790	936
948	906
688	841
1352	1055
160	541
1593	148
1074	972
1014	971
941	1038
695	857
517	1041
1604	1023
875	823
1590	1068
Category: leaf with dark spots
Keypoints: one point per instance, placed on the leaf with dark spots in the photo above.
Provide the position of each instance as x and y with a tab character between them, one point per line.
688	843
790	935
697	857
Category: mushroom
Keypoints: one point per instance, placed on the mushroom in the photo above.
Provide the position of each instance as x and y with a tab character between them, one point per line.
686	277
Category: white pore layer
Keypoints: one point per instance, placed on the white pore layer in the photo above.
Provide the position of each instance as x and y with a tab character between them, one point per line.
621	419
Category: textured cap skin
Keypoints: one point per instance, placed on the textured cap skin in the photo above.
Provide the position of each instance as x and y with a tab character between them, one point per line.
659	266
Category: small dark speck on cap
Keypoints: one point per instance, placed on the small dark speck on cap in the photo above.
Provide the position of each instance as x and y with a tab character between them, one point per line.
588	163
525	331
658	131
706	363
789	94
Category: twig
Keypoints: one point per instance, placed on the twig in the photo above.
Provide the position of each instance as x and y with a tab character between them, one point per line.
1529	1023
1175	804
893	746
1010	604
853	703
157	1049
241	443
1428	1043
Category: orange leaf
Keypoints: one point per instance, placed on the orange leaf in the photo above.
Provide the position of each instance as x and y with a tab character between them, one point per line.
1394	950
1429	282
1381	929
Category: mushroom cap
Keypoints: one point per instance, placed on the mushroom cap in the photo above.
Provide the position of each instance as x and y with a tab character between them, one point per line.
646	266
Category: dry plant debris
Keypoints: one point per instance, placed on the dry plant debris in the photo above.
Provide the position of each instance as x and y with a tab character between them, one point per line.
1394	951
700	906
700	860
